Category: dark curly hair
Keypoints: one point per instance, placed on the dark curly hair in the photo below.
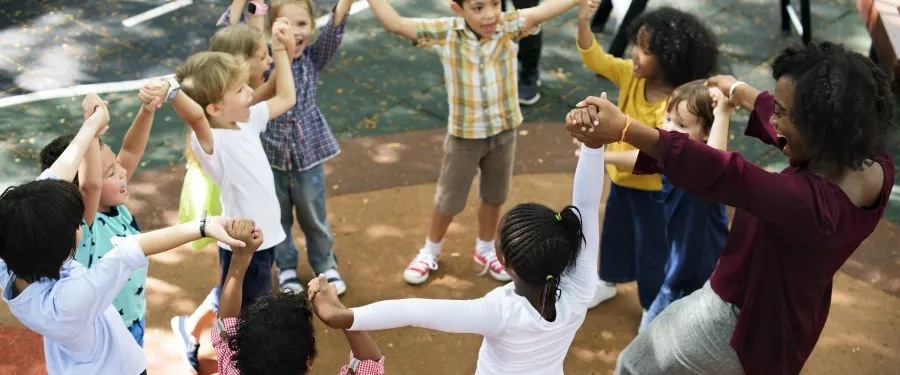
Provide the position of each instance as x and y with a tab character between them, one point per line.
686	49
842	101
54	149
539	244
275	336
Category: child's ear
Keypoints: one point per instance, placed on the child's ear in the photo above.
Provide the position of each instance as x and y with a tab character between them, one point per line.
458	9
214	109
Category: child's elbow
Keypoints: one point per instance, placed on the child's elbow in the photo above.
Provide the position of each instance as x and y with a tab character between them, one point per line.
90	187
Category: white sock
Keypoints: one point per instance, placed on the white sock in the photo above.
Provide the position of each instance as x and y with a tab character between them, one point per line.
286	274
433	247
483	246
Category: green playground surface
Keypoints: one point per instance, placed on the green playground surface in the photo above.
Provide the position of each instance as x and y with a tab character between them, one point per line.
381	84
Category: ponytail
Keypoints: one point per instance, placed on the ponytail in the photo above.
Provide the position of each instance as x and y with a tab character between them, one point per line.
540	245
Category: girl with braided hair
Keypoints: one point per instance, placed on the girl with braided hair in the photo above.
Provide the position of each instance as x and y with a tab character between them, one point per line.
529	323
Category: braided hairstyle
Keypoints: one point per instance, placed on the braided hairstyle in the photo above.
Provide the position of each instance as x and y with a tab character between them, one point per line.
842	101
539	244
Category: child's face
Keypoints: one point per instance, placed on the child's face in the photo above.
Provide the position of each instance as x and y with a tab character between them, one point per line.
302	22
114	191
481	16
646	64
260	61
235	107
681	120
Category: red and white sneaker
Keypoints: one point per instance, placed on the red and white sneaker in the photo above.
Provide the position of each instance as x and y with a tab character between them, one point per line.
418	270
491	264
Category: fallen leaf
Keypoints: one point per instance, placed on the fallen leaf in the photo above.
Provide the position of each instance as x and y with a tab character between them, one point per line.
455	255
540	161
393	145
340	91
606	335
365	201
335	187
523	132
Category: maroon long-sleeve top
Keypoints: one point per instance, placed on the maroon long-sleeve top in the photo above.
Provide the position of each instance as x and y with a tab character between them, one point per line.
791	233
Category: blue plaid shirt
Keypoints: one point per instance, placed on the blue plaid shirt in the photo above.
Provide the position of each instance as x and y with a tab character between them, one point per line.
300	138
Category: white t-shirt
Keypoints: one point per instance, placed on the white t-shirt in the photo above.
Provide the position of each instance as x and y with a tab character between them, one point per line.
239	166
517	340
83	333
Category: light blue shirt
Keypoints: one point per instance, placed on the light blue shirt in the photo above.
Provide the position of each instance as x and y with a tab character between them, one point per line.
83	333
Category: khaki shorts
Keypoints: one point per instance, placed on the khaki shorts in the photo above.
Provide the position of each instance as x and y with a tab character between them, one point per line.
490	158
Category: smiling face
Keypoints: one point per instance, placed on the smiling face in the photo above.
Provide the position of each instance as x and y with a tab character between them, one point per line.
301	21
482	16
794	145
114	190
646	64
259	62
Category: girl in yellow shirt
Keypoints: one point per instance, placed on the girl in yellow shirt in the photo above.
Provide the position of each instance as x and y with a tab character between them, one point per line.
671	48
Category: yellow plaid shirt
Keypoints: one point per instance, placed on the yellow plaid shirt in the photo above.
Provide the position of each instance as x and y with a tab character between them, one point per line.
480	75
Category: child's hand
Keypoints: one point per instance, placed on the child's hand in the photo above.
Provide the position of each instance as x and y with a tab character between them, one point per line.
325	301
586	9
247	231
153	94
90	103
215	228
284	34
98	121
723	83
722	106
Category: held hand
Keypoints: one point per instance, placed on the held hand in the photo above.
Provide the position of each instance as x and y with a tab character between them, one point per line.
215	228
153	94
325	301
284	34
245	230
722	106
596	122
586	9
90	103
722	82
98	122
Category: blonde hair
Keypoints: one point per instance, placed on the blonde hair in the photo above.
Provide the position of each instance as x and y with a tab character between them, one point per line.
238	40
275	9
205	78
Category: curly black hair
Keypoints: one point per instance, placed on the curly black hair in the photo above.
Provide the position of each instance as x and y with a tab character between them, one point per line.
275	336
539	244
842	101
686	49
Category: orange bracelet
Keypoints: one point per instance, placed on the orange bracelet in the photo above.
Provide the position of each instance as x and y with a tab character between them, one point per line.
625	129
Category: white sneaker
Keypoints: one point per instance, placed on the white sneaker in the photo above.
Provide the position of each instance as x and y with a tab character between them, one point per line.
603	293
335	279
420	268
288	281
489	261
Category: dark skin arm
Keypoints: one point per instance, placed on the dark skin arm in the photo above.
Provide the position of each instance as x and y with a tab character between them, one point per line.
243	230
332	312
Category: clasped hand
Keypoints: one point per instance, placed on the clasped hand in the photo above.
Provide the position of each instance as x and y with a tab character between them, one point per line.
596	122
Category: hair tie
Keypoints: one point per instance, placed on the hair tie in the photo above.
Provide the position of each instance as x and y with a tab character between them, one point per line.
549	277
558	217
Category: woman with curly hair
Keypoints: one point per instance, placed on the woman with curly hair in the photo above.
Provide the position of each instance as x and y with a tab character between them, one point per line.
671	48
770	293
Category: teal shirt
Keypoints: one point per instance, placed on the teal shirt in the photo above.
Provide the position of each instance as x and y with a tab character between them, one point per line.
131	302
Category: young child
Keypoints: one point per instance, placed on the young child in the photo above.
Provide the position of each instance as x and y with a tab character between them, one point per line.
106	215
528	324
68	304
276	335
299	141
696	229
671	48
478	52
215	101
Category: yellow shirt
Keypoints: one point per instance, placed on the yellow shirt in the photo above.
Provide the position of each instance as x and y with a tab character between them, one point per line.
633	103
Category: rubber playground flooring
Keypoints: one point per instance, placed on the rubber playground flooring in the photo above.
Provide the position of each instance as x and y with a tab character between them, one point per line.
384	99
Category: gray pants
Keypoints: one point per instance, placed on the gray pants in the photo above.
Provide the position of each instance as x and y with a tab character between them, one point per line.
691	336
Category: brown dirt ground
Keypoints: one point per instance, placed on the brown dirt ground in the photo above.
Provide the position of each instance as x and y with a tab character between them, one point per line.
380	196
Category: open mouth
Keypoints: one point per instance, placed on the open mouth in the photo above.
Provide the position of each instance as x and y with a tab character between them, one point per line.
782	141
489	28
124	190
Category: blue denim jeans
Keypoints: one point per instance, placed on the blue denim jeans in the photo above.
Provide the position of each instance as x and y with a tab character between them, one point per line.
303	192
137	330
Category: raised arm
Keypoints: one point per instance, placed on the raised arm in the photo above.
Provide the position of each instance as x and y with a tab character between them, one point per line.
90	181
546	10
391	20
614	69
586	194
67	164
230	301
138	134
718	134
285	92
330	37
236	11
194	115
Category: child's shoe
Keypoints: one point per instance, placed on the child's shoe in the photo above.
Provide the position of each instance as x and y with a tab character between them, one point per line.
418	270
489	261
288	281
335	278
604	292
189	349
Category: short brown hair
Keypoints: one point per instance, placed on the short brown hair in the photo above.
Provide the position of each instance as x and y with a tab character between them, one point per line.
206	76
238	40
275	9
698	99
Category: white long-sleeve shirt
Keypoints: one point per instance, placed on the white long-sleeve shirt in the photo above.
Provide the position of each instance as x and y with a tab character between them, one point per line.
517	340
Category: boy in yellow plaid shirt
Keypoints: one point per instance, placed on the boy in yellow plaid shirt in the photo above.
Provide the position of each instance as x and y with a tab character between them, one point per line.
478	51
